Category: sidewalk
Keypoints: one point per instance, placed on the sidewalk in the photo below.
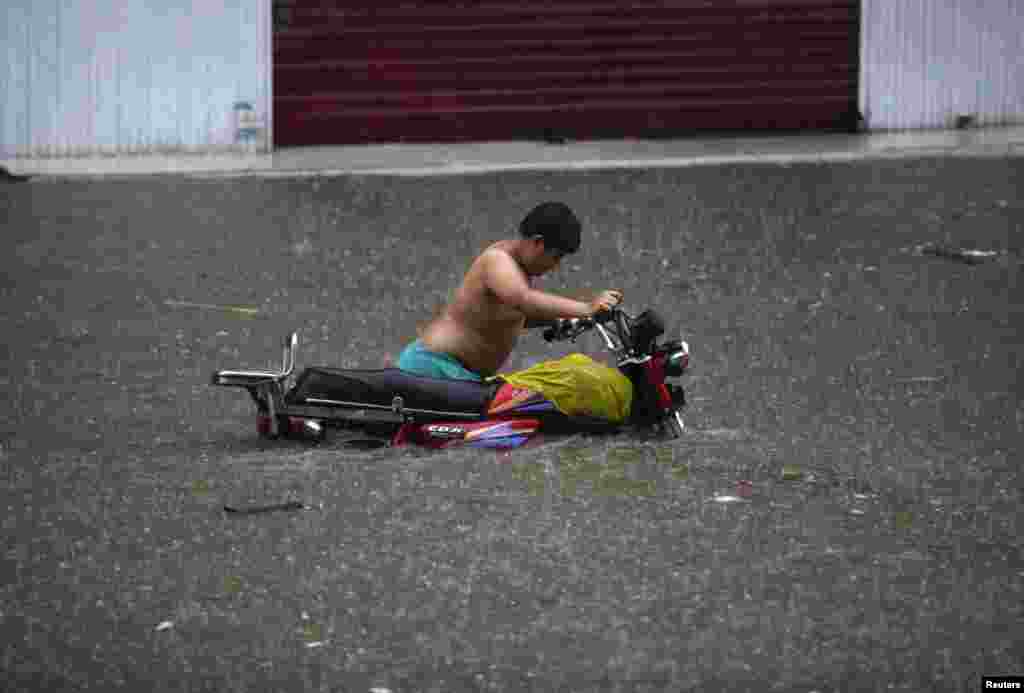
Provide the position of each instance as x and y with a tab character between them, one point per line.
487	157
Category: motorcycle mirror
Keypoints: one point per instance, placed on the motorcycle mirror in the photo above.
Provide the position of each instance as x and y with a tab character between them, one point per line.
647	327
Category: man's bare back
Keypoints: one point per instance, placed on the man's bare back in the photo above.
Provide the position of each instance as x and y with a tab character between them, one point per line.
477	328
481	324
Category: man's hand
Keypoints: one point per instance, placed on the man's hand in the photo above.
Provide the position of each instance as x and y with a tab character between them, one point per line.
606	300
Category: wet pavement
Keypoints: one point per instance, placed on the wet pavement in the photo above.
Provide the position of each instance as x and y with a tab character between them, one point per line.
843	514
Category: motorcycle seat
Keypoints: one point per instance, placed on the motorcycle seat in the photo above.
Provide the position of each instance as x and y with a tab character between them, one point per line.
380	387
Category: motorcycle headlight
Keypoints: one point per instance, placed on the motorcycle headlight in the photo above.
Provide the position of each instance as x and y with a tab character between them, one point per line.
678	360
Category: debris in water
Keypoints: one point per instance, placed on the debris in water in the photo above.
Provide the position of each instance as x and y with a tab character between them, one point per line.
164	625
314	644
311	631
254	509
745	488
242	310
966	255
792	472
726	499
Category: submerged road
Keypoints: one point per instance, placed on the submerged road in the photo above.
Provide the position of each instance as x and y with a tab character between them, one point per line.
843	515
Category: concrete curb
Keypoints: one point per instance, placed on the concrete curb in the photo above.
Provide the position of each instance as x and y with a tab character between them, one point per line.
493	157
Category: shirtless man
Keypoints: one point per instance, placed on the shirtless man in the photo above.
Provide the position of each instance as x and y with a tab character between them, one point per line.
474	335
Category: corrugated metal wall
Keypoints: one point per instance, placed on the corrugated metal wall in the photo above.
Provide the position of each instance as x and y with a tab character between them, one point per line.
436	70
926	62
86	77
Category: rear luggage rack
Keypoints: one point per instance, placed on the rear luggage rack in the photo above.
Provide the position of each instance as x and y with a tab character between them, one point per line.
254	377
265	387
282	413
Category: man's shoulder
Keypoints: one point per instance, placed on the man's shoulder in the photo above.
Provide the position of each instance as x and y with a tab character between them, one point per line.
497	248
497	257
496	263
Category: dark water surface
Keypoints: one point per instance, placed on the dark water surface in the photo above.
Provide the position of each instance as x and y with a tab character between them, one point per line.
843	514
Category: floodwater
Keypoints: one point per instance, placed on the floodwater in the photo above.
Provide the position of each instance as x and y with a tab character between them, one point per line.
842	514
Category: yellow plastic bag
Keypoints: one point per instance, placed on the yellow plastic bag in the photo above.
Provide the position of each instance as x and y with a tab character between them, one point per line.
579	386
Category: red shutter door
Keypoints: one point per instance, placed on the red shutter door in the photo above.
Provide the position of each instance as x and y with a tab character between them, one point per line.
445	71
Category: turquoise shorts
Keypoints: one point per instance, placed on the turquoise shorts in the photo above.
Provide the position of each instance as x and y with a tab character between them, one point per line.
420	361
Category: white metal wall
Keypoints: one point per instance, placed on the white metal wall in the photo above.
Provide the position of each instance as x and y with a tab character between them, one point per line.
87	77
926	62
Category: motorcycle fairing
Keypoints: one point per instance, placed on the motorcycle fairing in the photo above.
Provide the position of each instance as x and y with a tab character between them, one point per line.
510	399
492	433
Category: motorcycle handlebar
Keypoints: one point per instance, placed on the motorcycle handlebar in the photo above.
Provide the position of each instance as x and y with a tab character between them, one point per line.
554	332
564	326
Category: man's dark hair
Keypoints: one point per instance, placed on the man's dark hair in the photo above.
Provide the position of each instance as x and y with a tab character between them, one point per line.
555	223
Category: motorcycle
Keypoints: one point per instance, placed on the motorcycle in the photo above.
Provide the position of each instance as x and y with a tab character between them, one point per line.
394	405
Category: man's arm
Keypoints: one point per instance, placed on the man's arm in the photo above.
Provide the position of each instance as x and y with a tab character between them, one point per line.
505	278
